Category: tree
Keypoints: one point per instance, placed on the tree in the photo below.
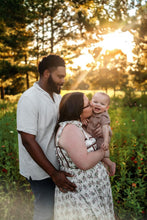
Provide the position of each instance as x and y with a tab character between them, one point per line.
111	72
96	18
14	39
138	27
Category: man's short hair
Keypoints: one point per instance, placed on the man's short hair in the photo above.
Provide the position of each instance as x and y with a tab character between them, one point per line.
50	62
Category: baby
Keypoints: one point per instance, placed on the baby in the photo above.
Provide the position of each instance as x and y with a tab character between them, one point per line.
100	105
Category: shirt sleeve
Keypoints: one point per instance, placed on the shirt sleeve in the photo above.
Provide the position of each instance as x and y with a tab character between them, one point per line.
105	119
27	116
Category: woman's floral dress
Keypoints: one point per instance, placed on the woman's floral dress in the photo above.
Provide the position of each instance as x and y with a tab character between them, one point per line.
93	198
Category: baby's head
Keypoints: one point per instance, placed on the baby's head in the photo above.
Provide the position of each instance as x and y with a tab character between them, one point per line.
100	102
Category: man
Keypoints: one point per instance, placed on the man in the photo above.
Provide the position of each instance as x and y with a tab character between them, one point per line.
37	114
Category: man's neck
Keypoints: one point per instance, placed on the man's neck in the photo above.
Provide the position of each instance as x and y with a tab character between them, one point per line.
44	87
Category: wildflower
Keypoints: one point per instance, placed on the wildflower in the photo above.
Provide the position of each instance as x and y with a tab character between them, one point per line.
141	159
4	170
134	184
3	146
135	161
116	121
133	120
124	123
139	168
118	201
143	211
132	158
11	132
125	141
9	154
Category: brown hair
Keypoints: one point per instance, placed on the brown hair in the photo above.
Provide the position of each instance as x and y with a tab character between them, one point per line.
71	107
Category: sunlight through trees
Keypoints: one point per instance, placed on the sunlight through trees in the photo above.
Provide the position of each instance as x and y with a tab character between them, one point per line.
87	34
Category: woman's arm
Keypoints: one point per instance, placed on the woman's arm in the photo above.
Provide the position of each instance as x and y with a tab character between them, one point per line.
73	141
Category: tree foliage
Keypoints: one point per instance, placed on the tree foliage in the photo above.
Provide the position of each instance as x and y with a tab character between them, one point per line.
14	40
30	29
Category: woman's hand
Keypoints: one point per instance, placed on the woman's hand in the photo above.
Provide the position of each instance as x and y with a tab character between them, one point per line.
97	133
85	122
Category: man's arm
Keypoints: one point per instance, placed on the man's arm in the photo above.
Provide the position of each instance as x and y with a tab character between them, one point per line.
39	157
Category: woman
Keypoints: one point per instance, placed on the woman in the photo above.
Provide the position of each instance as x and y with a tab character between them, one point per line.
77	154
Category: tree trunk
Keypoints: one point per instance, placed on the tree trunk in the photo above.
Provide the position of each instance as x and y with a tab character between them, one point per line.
114	91
37	39
52	29
27	80
2	92
27	75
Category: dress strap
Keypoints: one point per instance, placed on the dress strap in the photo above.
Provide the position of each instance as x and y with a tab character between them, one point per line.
85	134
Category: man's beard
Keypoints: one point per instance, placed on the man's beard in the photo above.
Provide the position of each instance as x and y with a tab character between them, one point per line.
53	86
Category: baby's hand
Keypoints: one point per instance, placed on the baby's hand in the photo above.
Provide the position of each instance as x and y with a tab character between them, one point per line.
105	146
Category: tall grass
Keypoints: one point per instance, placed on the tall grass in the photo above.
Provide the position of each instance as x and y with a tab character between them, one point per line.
16	200
128	146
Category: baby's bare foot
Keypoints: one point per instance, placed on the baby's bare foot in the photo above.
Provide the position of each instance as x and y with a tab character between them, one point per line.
112	169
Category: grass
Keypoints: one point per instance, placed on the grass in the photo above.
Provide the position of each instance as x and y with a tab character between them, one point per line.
128	149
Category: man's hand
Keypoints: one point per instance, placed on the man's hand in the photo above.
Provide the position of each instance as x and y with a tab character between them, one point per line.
97	133
59	178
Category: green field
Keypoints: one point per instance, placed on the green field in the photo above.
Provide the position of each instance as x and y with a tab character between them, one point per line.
128	145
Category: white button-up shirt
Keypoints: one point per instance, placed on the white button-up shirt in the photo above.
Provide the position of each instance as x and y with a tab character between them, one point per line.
37	114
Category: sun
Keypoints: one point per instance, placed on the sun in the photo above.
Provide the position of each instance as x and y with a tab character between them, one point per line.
119	40
115	40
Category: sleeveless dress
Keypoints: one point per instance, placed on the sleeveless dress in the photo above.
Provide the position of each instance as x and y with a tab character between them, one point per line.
93	197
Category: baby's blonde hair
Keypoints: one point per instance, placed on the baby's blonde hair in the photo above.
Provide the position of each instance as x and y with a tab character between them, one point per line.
104	94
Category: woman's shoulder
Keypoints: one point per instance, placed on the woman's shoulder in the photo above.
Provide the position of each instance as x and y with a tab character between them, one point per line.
69	134
73	123
72	127
69	126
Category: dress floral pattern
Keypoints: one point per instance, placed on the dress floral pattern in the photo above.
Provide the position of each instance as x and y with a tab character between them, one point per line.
93	197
